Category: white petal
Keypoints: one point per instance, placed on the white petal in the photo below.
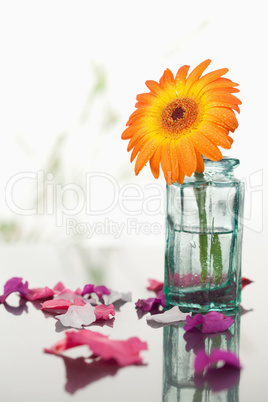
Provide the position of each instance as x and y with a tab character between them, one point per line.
168	317
76	316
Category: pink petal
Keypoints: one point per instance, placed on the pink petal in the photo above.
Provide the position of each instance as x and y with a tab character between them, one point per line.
79	302
123	352
56	305
104	312
155	285
58	347
245	282
59	287
39	293
14	285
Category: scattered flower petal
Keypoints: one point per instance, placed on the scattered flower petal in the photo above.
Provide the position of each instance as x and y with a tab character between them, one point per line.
59	287
148	304
245	282
155	285
77	316
104	312
56	305
203	361
14	285
218	379
172	316
100	291
211	322
88	289
117	297
79	302
39	293
125	352
152	302
162	298
195	340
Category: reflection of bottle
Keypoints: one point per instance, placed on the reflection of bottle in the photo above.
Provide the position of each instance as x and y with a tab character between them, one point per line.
179	380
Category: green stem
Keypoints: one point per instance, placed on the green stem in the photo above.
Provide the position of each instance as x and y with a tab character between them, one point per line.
217	257
200	195
216	253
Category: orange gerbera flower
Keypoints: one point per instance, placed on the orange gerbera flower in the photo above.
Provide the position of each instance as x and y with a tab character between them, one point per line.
181	119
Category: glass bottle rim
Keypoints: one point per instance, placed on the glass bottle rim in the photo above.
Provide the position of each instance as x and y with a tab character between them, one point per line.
224	164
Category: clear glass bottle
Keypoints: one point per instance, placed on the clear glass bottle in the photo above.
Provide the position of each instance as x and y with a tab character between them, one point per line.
204	239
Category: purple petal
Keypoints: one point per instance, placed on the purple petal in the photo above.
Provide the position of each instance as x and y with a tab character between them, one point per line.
227	356
147	304
192	322
223	378
162	298
101	290
202	361
88	289
14	285
216	322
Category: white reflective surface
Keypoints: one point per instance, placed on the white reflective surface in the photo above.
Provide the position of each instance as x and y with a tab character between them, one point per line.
28	374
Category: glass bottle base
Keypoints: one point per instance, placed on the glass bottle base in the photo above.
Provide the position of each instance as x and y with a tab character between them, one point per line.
203	300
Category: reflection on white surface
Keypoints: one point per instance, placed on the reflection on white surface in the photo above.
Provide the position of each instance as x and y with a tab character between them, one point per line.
23	336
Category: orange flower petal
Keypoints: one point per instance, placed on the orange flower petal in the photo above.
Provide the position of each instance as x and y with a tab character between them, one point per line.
210	77
167	79
146	153
222	116
138	147
136	138
220	96
196	74
181	75
186	154
155	162
206	147
166	162
174	161
200	167
218	138
154	87
181	174
145	99
218	83
129	132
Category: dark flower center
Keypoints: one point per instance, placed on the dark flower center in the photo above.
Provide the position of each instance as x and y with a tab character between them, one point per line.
177	113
